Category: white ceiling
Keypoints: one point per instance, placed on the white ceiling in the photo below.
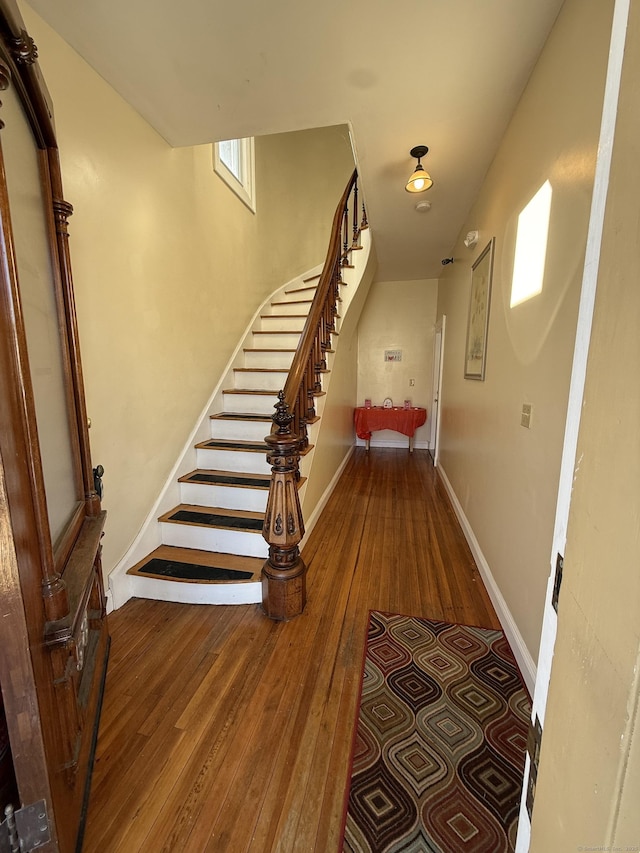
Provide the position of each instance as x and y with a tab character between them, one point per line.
441	73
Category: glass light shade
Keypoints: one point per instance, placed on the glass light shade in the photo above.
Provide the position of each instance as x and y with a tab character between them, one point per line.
419	181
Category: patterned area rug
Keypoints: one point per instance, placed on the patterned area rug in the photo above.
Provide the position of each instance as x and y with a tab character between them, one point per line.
438	753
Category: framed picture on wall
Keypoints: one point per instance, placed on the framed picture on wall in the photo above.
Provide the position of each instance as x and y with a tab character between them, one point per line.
478	322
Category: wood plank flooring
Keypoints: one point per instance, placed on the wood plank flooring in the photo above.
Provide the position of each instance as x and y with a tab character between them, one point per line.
225	732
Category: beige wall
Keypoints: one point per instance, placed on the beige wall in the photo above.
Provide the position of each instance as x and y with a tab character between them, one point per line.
169	266
505	476
589	781
302	176
398	315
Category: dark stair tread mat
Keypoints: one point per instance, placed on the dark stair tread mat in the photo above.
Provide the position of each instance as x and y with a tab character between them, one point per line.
213	519
241	416
230	480
192	571
230	444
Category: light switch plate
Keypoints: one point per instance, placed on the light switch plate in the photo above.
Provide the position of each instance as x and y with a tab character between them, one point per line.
525	417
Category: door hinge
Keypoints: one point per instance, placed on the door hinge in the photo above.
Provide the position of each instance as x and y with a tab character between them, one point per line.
534	742
24	830
557	581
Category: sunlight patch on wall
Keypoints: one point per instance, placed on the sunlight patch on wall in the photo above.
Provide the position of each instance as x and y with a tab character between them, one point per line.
531	247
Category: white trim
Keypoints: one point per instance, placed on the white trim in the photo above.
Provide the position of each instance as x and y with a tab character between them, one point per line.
513	635
244	187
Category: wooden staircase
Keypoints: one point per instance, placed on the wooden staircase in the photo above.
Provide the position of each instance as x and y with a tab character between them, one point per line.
213	538
207	540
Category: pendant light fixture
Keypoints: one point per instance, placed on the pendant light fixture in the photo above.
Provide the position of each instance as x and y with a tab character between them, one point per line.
420	180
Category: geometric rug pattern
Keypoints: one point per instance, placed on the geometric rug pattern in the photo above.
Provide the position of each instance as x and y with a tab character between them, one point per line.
439	745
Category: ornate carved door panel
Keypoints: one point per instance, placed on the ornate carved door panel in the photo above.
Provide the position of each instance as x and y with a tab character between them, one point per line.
53	630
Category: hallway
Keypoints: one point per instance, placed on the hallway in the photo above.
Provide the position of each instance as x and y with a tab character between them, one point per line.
224	731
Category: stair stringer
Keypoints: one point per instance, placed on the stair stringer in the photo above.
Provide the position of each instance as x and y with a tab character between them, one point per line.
121	585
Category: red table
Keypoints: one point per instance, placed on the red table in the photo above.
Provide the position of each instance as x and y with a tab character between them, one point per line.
375	418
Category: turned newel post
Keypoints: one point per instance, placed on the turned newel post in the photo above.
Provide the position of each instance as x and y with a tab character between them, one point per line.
283	574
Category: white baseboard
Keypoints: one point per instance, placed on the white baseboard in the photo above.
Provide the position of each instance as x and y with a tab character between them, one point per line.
513	635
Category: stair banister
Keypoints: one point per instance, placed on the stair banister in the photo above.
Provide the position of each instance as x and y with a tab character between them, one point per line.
283	574
302	363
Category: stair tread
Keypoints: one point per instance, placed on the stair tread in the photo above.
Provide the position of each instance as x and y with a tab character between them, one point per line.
307	287
263	391
215	516
293	302
251	566
273	349
232	444
276	331
241	479
283	316
261	369
241	416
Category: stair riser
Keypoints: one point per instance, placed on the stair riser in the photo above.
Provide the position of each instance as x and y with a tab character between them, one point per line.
240	430
261	404
232	460
214	539
244	592
279	360
286	340
264	381
228	497
284	324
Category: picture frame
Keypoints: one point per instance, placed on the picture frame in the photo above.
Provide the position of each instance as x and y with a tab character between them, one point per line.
478	320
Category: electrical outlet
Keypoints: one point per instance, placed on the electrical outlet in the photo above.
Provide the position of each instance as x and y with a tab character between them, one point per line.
412	382
525	417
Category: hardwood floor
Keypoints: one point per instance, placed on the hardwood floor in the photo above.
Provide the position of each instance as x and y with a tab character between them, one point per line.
223	731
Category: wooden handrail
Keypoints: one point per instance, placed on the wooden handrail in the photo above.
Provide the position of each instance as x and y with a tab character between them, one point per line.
283	573
303	379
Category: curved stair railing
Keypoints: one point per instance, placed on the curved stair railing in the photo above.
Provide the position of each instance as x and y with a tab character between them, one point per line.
283	574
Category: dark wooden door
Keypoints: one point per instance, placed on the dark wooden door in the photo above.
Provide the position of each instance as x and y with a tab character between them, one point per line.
53	629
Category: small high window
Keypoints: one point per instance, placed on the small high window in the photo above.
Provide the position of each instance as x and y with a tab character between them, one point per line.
234	161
